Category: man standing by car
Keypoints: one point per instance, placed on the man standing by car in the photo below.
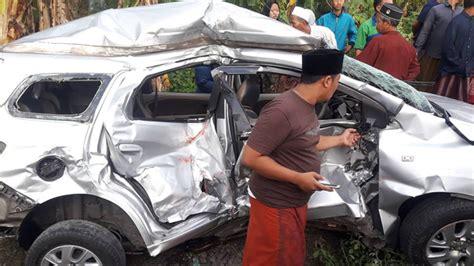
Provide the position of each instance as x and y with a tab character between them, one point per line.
430	39
368	29
457	64
286	162
390	52
342	24
304	20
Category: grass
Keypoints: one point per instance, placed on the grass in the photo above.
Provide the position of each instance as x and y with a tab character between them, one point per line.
351	251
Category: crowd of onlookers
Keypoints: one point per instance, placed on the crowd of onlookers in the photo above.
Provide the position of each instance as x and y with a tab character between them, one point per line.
442	52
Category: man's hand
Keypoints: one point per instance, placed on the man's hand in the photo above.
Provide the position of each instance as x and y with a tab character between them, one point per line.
309	182
350	137
348	48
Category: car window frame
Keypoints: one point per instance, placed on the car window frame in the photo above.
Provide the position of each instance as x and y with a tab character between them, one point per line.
131	100
85	116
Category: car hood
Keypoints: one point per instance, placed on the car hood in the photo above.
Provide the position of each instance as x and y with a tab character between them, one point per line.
151	29
457	109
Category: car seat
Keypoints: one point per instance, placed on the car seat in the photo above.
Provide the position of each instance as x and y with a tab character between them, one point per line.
248	95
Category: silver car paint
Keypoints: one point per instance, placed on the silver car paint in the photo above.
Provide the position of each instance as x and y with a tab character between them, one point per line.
441	159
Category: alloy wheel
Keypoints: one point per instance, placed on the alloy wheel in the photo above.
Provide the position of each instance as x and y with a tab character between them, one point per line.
452	245
70	255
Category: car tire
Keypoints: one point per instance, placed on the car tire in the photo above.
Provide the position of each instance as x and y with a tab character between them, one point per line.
84	240
442	226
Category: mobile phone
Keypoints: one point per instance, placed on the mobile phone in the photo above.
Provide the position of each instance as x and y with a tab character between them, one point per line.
330	185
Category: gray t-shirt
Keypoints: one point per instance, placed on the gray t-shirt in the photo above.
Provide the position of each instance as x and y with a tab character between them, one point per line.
287	131
433	33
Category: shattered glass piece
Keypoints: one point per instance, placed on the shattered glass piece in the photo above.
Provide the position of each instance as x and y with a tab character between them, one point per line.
364	159
379	79
359	177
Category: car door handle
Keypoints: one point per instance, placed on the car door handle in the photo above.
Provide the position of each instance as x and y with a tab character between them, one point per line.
130	148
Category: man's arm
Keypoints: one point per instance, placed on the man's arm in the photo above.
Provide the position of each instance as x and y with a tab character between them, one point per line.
267	167
351	35
348	138
425	31
361	40
413	68
271	131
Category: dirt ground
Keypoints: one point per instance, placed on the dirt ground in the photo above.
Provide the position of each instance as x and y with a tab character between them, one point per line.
228	253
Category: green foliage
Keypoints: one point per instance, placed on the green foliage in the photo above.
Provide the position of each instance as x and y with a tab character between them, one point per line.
353	252
182	80
361	10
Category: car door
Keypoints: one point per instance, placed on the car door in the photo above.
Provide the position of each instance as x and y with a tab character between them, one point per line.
353	169
173	158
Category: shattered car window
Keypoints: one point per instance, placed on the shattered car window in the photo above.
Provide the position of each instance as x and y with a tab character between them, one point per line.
387	83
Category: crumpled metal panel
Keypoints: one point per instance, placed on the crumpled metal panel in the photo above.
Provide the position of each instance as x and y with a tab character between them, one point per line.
162	27
349	168
457	109
177	163
419	154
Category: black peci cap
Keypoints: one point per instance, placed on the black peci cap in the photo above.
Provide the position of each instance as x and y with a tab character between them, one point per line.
391	12
322	62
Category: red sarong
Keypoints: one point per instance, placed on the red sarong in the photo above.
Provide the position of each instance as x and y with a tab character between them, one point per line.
275	236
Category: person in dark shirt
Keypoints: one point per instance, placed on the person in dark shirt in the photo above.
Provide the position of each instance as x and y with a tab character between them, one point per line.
286	162
204	79
390	52
430	39
418	24
457	62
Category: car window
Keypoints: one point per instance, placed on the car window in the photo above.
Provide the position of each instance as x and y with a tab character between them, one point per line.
365	73
277	83
177	95
65	97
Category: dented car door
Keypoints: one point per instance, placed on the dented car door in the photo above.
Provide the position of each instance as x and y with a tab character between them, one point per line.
176	161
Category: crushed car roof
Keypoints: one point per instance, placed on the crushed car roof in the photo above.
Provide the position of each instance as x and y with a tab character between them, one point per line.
149	29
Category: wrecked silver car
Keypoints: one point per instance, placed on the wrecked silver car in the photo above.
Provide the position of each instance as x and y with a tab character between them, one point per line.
96	158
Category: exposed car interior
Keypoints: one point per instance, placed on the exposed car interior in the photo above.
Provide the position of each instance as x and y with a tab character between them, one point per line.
346	109
161	103
255	91
58	97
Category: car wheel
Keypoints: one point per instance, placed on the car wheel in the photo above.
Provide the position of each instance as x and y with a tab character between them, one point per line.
76	242
439	231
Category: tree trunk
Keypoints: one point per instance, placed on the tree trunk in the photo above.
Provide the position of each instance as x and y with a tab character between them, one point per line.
59	12
20	19
3	21
44	15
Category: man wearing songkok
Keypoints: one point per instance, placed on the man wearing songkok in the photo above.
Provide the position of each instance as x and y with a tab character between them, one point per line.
304	20
286	162
368	29
390	52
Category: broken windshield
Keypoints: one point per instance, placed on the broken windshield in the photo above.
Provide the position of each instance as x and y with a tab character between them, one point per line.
387	83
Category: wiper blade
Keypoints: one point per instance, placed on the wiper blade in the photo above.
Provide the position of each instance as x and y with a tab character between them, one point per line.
446	116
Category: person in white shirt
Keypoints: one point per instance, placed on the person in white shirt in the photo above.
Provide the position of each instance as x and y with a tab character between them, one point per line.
305	21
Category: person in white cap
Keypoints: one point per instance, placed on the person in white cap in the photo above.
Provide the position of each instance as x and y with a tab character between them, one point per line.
305	21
